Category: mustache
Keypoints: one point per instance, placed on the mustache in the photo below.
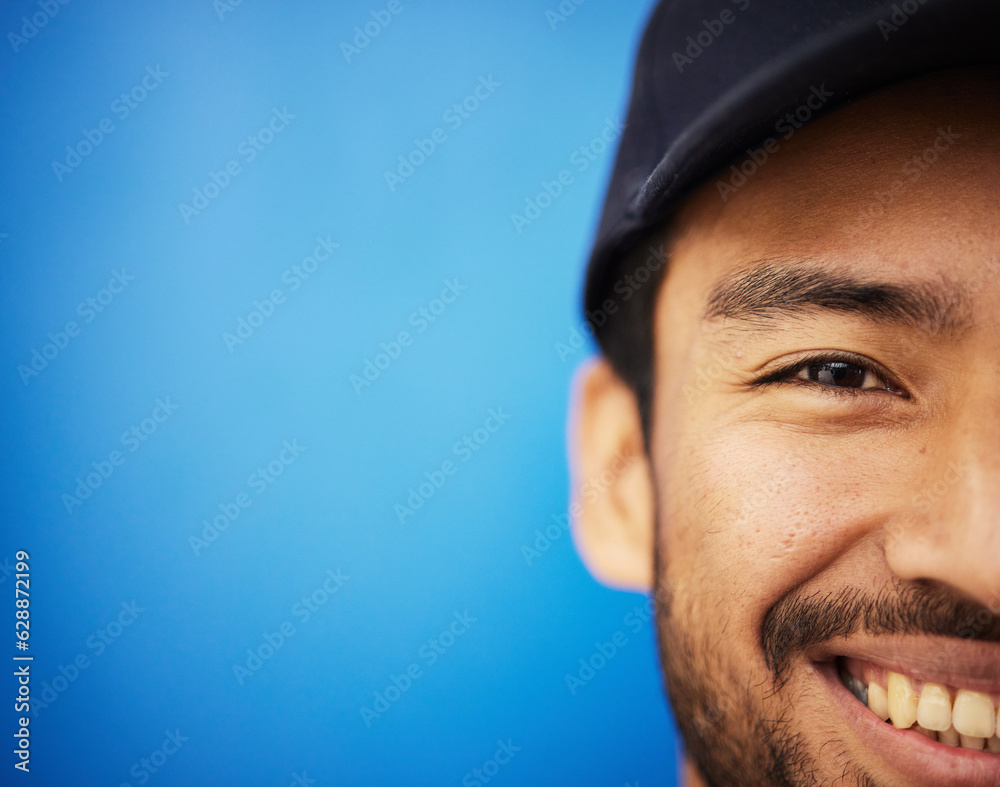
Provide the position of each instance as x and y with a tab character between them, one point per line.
797	622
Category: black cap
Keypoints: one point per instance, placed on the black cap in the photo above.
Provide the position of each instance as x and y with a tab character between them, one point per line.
715	79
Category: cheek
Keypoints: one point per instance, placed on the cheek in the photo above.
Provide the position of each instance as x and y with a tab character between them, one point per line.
755	511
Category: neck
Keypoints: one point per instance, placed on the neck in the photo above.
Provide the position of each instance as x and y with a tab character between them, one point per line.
690	776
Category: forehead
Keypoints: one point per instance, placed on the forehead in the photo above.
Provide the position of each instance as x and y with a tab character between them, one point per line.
902	185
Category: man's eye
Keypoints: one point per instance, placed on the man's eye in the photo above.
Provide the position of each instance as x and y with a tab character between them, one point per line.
840	374
854	374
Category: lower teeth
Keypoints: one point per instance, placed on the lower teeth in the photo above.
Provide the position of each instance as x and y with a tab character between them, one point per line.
855	686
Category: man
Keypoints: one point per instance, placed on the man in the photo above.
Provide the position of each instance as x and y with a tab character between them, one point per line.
796	292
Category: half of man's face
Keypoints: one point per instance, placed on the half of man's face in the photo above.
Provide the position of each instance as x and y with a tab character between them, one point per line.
826	452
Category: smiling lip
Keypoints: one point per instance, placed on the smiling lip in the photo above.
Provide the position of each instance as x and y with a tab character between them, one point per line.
932	659
972	665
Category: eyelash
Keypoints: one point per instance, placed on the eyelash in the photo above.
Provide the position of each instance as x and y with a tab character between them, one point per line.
786	375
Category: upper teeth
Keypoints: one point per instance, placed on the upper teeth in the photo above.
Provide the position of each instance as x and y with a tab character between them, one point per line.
934	708
971	719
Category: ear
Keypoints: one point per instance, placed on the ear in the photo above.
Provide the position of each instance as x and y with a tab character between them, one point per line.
612	498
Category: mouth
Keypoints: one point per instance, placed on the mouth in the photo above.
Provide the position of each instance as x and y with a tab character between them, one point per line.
923	709
948	715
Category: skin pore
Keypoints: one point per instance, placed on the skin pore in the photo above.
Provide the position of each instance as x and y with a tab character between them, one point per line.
822	486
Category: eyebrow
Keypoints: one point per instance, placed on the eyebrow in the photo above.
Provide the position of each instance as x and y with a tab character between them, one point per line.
775	289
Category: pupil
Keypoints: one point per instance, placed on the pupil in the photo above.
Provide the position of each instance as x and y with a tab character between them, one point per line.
837	373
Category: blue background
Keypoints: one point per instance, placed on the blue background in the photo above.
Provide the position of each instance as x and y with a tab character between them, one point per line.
556	85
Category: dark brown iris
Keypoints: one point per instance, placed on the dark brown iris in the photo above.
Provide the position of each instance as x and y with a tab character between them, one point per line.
837	374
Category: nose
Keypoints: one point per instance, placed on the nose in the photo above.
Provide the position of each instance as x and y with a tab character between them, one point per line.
950	531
